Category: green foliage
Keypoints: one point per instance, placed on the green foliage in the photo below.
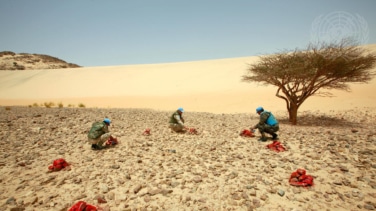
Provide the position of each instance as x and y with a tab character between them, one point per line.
49	104
300	74
81	105
60	105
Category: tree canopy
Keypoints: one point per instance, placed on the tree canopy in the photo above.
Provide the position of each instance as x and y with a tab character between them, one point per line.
299	74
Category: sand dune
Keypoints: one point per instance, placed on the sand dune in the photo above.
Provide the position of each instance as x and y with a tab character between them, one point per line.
212	85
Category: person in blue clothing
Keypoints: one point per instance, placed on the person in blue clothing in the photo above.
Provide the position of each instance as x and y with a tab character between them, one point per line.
267	124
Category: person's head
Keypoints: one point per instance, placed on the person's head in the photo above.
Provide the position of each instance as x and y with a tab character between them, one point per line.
107	121
180	110
259	109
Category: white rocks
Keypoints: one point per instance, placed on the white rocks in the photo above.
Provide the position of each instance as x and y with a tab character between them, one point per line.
281	192
104	188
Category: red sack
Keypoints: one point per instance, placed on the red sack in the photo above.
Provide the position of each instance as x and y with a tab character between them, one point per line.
192	131
58	164
247	133
146	132
300	178
90	208
276	146
111	141
82	206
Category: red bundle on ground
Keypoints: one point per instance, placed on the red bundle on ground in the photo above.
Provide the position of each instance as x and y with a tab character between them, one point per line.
111	141
192	131
58	164
247	133
300	178
146	132
276	146
82	206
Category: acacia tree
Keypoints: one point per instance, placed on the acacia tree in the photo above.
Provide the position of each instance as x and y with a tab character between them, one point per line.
300	74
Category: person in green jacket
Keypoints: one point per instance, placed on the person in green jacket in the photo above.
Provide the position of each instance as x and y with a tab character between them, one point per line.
176	122
267	124
99	134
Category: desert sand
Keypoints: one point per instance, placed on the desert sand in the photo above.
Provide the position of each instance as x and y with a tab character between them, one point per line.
214	170
203	86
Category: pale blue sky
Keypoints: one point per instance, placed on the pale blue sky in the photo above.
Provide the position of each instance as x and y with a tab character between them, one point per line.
121	32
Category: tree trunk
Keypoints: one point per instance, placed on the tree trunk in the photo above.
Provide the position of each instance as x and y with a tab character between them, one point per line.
293	113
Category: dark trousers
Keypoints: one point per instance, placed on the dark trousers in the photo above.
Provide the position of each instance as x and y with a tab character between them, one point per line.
265	128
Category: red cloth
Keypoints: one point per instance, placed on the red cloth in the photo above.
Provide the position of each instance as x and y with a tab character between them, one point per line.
82	206
247	133
58	164
146	132
276	146
192	131
300	178
111	141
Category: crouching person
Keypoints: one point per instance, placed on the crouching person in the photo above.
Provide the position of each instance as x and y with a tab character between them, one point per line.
267	124
99	134
176	122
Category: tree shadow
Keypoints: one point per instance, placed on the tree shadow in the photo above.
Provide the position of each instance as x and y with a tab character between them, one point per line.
321	120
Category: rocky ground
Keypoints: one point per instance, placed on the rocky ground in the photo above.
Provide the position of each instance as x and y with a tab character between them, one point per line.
214	170
25	61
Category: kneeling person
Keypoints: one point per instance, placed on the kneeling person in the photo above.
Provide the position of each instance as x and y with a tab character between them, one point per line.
177	121
267	124
99	134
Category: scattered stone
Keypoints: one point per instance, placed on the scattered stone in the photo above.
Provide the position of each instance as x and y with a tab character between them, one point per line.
81	196
369	207
249	186
104	188
215	166
147	198
343	168
264	197
115	166
236	196
137	189
252	193
127	176
337	182
11	201
17	209
281	192
354	130
154	191
197	179
256	202
165	191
